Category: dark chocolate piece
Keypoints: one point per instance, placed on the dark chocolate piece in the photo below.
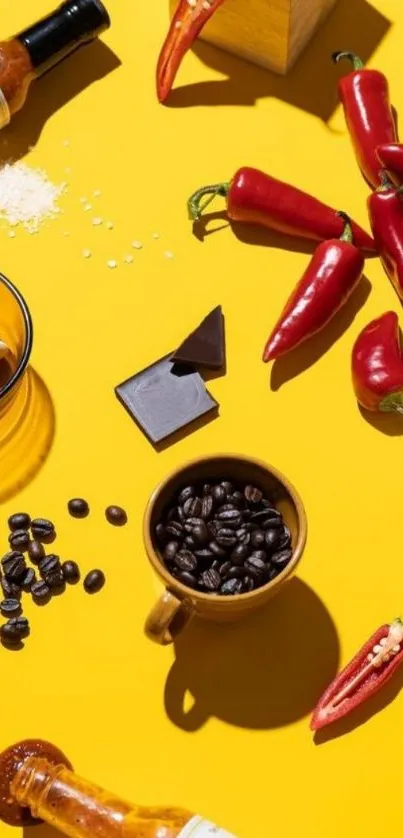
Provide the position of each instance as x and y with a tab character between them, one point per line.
205	347
164	398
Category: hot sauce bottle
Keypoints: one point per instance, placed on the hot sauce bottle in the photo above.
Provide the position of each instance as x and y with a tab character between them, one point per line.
43	45
38	783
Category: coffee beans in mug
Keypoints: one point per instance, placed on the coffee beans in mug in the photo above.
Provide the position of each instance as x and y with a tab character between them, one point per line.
223	538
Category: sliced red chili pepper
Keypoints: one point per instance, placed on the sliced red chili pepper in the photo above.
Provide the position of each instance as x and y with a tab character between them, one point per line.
365	98
257	198
385	208
186	25
391	158
367	673
377	365
334	271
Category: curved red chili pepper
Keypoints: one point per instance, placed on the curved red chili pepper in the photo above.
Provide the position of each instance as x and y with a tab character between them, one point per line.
377	365
257	198
391	158
186	25
333	273
385	208
367	673
365	98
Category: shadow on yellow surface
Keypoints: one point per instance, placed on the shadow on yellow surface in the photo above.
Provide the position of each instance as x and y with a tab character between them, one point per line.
26	435
311	85
305	355
390	424
263	672
51	93
41	831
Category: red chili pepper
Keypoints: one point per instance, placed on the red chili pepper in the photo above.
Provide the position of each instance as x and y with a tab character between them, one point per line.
333	273
385	208
377	365
391	158
186	24
367	673
257	198
365	98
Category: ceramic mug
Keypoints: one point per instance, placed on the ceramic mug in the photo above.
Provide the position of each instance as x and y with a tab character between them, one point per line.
179	603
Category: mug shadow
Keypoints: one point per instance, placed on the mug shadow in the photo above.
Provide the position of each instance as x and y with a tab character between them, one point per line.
27	441
308	353
390	424
264	672
312	83
51	93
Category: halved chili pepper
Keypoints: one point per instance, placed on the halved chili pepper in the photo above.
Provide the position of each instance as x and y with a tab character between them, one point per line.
186	25
391	158
377	365
367	673
365	98
334	271
385	208
257	198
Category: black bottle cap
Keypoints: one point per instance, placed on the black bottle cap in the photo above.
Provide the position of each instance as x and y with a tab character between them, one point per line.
54	37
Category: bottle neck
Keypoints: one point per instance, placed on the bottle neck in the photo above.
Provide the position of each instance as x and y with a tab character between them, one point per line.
56	36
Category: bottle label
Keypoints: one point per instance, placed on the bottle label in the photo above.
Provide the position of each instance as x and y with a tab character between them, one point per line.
4	110
200	828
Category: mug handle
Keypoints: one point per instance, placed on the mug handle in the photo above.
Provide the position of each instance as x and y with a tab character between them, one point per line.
168	618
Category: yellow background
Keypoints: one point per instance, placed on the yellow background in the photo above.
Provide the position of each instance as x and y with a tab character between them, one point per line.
239	749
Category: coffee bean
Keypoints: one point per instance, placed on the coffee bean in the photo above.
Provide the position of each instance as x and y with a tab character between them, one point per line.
261	515
246	539
217	550
225	567
187	579
252	494
190	542
260	554
226	538
55	581
193	508
232	586
12	632
94	581
248	584
171	550
181	517
271	539
255	564
20	626
71	572
160	534
78	508
116	516
230	515
225	507
36	552
281	559
236	572
10	589
257	538
41	592
272	524
219	494
211	579
28	579
227	486
284	540
206	489
14	566
193	522
19	540
175	529
239	554
185	494
204	553
207	507
43	530
19	521
200	534
186	560
10	607
49	564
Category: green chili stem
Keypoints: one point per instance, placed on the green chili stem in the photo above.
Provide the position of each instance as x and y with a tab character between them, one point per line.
196	208
347	234
351	56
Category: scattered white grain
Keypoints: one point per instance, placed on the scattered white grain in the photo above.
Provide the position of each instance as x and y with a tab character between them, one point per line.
128	259
87	254
137	245
88	207
66	233
155	235
168	254
109	225
97	221
112	263
67	171
11	234
27	196
97	193
66	143
83	200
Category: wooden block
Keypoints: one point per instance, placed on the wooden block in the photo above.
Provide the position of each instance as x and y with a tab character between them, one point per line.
271	33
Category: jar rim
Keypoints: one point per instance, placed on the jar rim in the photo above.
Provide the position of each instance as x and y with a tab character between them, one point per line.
25	356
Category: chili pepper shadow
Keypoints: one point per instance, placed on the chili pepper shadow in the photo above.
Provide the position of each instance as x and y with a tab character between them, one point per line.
305	355
362	714
312	83
262	672
390	424
252	234
51	93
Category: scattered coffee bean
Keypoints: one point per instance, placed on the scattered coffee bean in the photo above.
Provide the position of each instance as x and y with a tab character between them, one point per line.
17	627
14	566
10	607
28	579
55	581
94	581
41	592
211	579
19	521
185	560
10	589
71	572
48	565
78	508
186	493
116	515
171	550
43	530
36	552
19	540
